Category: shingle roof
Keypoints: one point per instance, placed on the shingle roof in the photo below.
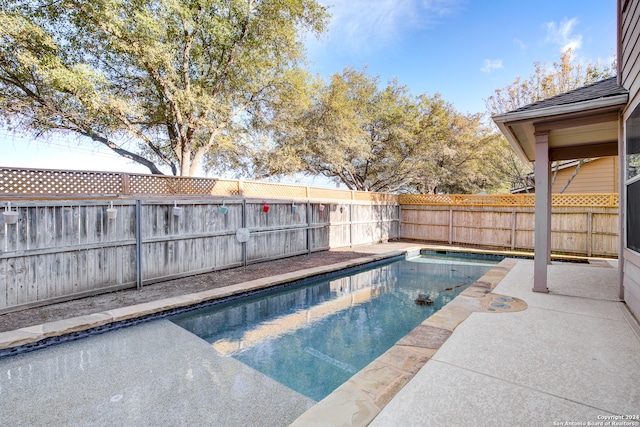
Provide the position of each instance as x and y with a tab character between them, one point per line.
602	89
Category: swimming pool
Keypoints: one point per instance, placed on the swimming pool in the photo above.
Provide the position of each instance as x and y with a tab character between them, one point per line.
313	337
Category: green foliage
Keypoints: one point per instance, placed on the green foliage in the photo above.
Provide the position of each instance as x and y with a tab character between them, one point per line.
459	153
545	82
381	139
161	82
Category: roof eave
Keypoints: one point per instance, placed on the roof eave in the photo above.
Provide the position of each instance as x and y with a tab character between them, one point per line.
556	110
513	141
504	121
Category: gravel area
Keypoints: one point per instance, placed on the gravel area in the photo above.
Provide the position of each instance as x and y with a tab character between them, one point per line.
198	283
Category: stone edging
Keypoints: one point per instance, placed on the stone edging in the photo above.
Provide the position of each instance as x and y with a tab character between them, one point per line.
34	334
359	400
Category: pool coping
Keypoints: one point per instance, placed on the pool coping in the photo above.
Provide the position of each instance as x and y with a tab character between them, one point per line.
356	402
32	335
359	400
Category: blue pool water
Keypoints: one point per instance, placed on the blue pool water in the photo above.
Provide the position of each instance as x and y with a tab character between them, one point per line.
314	337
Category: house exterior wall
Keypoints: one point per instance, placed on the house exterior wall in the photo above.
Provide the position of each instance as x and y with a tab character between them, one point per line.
630	50
629	53
597	176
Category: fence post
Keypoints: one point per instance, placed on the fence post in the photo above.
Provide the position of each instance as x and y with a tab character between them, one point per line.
399	222
380	206
125	184
244	225
589	232
139	244
308	225
351	222
450	225
513	229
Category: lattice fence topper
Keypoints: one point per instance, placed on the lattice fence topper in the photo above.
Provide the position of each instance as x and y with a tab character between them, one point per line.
18	181
171	185
517	200
224	187
49	182
604	200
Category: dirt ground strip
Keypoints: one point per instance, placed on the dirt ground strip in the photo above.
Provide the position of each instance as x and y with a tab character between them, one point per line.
201	282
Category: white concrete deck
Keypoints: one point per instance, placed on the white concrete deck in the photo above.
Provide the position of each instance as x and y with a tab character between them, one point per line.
572	356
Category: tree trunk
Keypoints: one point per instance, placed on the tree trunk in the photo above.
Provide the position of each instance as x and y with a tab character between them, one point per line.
575	172
185	164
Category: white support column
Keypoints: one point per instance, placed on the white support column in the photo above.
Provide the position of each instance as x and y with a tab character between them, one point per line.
542	241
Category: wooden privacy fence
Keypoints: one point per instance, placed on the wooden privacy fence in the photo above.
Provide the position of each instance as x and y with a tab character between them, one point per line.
61	250
64	245
581	224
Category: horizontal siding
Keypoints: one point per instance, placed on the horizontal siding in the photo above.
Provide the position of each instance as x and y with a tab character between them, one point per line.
631	52
633	83
628	24
630	35
598	176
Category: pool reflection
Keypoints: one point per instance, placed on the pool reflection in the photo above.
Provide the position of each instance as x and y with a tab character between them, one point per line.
313	338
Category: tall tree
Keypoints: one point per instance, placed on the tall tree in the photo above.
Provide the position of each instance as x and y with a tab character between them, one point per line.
458	153
374	138
548	81
161	82
545	82
350	131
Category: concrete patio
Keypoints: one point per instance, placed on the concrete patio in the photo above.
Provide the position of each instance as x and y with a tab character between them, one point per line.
571	356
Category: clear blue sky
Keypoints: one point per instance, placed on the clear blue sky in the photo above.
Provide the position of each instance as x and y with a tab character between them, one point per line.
462	49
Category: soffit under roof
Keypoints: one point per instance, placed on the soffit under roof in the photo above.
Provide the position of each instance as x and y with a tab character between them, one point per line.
582	123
